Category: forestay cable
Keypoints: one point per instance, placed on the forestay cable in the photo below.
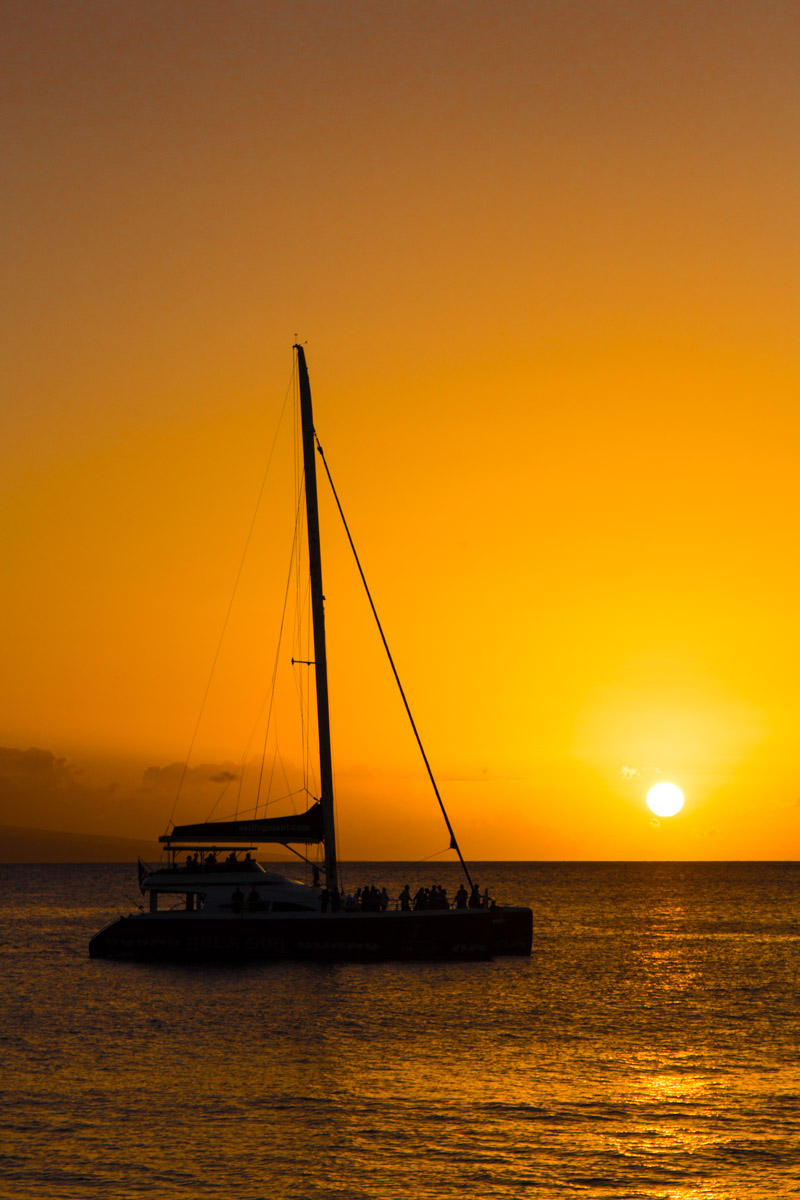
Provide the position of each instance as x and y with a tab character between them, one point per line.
453	841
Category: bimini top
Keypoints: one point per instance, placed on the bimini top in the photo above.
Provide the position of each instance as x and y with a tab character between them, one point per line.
304	827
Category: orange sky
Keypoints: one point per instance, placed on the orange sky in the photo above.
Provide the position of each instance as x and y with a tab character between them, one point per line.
545	258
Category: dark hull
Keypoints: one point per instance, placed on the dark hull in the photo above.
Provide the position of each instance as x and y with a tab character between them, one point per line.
364	937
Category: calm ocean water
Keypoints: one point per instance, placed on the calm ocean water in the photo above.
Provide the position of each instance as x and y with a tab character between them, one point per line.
649	1048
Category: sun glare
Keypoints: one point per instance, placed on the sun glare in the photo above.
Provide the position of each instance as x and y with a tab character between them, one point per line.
665	799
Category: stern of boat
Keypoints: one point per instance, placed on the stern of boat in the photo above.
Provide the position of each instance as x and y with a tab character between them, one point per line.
512	930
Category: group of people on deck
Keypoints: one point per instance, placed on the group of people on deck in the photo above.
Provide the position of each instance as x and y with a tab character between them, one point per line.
364	899
371	899
367	899
436	898
196	862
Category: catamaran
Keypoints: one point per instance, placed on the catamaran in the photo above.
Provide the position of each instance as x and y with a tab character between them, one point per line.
212	899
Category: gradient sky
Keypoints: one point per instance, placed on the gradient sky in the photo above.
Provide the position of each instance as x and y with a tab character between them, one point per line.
545	258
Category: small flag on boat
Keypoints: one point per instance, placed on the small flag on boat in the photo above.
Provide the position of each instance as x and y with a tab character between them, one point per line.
144	871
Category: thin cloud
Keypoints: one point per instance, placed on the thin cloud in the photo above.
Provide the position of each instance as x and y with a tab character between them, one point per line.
636	772
167	779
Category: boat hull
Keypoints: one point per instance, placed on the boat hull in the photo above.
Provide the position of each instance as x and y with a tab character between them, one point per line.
364	937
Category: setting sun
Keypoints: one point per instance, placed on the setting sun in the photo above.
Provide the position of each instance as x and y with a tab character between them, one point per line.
665	799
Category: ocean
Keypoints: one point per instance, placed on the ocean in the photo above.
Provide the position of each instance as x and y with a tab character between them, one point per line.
647	1049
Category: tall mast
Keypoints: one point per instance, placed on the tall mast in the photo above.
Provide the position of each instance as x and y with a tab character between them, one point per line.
318	620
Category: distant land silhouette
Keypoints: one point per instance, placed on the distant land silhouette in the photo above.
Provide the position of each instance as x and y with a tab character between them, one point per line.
21	845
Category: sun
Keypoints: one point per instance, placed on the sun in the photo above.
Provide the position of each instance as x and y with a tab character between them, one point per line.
665	799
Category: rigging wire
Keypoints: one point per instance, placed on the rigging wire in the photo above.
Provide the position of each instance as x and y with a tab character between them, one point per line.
277	652
268	703
230	604
453	841
435	854
295	557
269	699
